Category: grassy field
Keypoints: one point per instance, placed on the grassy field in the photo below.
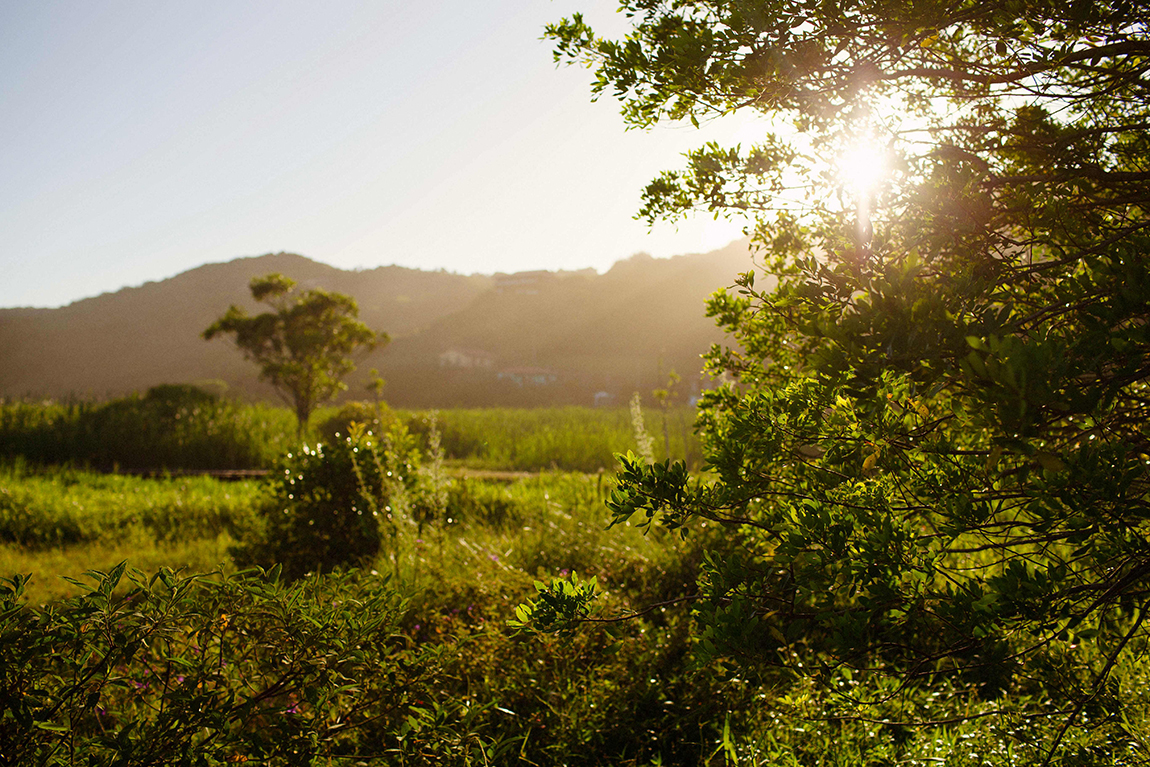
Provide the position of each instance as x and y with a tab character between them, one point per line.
168	427
445	680
183	428
61	522
567	438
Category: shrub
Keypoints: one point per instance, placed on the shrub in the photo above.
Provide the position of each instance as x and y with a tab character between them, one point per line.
330	502
376	418
201	671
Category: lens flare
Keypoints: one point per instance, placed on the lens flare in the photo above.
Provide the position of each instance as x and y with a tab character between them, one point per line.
862	168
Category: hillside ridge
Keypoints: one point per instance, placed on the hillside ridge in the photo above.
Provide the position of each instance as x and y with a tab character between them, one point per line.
457	339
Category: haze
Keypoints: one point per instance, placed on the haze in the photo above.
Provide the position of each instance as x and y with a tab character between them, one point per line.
141	139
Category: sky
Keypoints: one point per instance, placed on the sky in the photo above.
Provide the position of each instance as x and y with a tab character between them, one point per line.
142	139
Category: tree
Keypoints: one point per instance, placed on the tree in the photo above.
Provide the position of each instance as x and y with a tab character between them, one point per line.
934	457
304	347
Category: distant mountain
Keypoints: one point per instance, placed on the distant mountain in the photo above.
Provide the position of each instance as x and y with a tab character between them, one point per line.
527	338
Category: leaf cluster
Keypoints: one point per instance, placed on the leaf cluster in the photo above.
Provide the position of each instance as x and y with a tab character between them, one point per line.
933	450
304	346
335	504
195	670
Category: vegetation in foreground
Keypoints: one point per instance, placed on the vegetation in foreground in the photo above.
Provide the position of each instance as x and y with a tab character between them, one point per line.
924	539
403	653
933	462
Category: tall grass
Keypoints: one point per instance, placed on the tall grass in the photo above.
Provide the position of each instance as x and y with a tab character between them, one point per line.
51	508
176	427
169	427
558	438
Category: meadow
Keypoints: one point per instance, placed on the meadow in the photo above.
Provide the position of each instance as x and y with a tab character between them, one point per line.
149	630
180	427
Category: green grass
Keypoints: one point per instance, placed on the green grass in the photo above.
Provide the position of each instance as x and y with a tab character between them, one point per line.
54	507
61	522
50	568
65	521
559	438
181	428
627	692
537	528
169	427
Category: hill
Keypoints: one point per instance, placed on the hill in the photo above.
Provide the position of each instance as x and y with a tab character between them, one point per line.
527	338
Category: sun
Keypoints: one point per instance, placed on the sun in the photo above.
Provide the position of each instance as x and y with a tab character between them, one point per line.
862	168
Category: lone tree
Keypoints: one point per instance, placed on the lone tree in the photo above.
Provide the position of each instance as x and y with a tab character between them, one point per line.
934	460
305	346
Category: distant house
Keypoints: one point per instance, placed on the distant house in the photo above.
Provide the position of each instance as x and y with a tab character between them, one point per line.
604	399
467	358
528	376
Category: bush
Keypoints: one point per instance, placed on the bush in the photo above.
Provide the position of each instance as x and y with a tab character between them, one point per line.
331	501
200	671
377	418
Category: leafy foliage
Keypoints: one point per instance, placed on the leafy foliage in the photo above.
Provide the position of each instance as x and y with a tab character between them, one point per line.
304	347
935	452
332	500
197	671
631	694
558	606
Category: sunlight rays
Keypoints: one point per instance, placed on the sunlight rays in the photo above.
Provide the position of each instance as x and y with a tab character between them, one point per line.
862	168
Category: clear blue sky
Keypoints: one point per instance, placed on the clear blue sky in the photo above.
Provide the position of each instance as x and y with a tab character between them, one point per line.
141	139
